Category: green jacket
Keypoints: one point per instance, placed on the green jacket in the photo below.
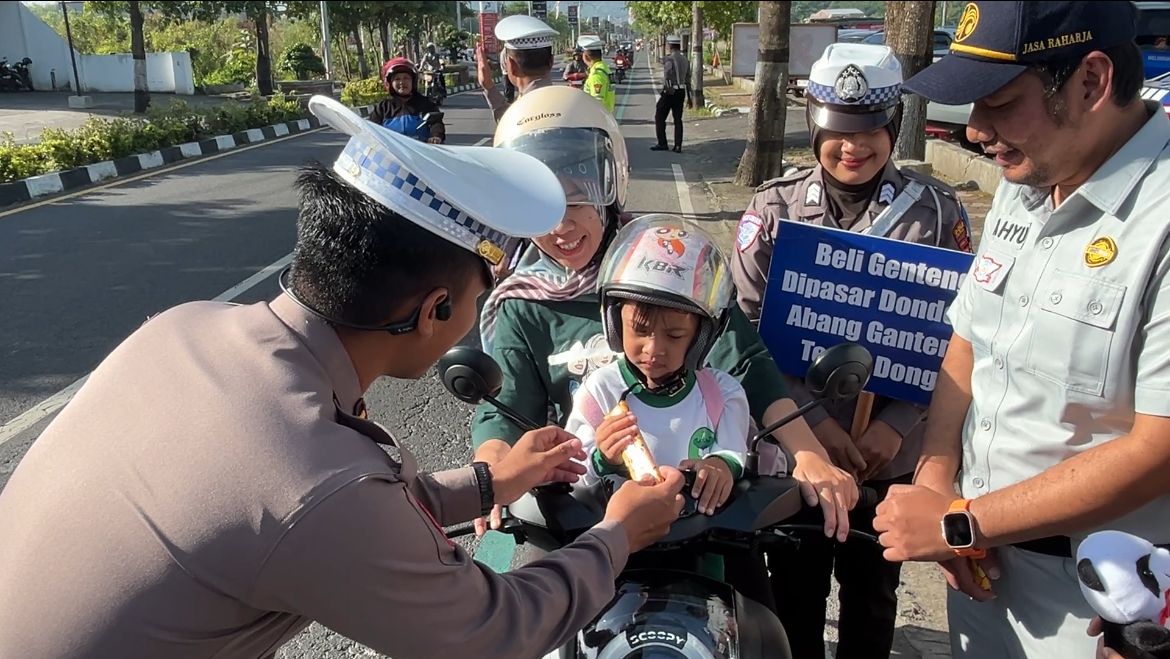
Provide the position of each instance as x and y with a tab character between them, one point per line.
598	86
530	334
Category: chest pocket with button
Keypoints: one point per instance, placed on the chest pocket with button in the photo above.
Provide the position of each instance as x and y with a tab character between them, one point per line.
1072	331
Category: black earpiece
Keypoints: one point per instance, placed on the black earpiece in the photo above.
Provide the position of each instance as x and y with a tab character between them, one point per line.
443	309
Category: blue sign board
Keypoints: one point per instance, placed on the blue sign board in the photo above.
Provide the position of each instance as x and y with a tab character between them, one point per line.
828	286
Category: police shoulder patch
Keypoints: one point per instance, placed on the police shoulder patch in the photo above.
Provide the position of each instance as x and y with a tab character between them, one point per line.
750	226
961	236
887	193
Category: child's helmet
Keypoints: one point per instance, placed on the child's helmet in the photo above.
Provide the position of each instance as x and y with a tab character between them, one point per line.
663	260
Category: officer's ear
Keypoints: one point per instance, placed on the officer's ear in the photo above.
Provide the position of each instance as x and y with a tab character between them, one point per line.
435	308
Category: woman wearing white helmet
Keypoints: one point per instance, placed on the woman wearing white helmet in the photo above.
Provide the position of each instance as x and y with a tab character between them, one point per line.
543	324
854	114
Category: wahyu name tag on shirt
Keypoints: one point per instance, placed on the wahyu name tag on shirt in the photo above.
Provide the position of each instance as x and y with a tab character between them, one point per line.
991	268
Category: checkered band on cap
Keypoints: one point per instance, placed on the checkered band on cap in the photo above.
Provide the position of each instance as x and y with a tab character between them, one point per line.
373	170
530	43
875	96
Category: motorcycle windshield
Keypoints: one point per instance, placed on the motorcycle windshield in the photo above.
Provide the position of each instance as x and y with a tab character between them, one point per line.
686	619
582	158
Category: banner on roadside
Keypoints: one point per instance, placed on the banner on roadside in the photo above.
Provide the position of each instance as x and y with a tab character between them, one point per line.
828	286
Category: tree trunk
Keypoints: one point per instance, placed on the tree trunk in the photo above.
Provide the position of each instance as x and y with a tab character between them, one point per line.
910	32
697	55
362	65
138	48
263	52
384	30
763	157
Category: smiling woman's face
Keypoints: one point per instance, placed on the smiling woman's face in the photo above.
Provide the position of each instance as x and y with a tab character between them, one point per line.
855	158
574	241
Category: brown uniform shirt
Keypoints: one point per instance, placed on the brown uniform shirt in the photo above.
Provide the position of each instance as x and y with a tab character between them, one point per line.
499	105
204	495
802	197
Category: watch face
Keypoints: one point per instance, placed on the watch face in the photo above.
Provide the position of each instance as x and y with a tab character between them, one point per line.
957	530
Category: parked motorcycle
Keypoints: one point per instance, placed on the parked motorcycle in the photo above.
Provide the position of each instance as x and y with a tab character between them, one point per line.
674	613
16	77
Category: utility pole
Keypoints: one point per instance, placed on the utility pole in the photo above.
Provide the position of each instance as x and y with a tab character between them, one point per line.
325	40
458	15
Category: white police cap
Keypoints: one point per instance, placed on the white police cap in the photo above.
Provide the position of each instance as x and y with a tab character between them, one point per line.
519	32
854	87
480	198
590	42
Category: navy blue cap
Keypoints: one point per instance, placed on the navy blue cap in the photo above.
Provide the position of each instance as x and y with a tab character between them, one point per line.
997	41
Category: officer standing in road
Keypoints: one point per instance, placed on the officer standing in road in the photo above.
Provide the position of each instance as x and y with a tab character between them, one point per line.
527	60
676	90
599	84
216	486
1052	413
854	112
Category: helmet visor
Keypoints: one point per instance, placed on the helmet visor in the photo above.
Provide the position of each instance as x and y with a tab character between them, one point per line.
582	158
843	119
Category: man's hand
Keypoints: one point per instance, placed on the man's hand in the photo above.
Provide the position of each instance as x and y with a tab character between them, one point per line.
832	488
491	452
434	140
877	446
1096	628
713	481
839	445
646	510
909	521
483	68
615	433
962	574
539	456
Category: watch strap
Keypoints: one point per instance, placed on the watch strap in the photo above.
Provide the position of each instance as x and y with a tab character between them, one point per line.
483	479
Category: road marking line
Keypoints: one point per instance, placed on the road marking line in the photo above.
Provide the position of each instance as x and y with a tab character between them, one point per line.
153	172
31	416
684	193
481	142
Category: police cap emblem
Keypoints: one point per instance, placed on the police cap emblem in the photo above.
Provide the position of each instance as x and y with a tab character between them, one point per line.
851	84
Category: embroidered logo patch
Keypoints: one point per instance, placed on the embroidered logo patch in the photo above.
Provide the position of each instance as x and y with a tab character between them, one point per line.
749	227
967	22
1100	252
962	238
987	270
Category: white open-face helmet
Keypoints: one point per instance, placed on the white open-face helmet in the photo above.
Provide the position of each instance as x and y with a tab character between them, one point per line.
666	261
855	88
577	139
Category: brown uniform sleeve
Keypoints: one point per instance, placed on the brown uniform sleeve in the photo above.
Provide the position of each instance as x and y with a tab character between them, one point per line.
451	495
496	101
370	564
753	253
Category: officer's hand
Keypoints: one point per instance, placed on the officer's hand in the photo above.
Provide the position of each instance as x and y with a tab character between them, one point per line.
877	446
483	68
645	510
540	456
839	445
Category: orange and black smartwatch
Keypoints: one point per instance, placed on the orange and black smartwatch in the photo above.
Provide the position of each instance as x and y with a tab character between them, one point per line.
958	529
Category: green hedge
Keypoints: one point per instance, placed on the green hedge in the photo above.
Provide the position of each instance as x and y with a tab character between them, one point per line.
107	139
363	92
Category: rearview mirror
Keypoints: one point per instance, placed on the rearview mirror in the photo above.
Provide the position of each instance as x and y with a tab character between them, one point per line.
470	374
840	372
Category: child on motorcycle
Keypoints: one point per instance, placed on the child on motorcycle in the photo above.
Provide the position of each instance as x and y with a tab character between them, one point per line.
404	109
666	297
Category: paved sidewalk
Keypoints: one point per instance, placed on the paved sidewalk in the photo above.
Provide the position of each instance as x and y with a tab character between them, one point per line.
26	115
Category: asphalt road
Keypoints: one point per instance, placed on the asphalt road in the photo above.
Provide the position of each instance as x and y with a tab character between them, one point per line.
81	272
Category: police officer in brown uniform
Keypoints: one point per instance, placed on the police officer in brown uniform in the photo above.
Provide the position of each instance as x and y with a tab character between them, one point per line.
854	111
216	486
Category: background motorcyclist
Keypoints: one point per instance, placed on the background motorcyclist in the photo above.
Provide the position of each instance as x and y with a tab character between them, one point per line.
577	69
403	110
432	63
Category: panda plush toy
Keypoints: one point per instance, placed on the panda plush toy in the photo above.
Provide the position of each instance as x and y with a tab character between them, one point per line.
1127	582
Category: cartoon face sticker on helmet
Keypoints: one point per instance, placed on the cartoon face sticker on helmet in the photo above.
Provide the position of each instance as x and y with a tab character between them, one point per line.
851	84
671	241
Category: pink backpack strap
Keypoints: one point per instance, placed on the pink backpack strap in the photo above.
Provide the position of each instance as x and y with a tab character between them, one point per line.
591	410
712	395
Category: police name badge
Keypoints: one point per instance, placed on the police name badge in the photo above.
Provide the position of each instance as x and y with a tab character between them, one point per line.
1100	252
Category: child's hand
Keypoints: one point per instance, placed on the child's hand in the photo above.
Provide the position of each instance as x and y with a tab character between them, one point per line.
613	436
713	481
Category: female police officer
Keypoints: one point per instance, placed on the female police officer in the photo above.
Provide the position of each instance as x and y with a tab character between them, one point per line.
854	111
214	486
